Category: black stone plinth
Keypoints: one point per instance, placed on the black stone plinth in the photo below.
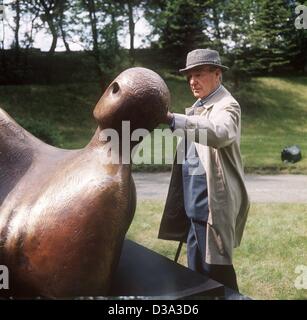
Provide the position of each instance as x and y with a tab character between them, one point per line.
146	274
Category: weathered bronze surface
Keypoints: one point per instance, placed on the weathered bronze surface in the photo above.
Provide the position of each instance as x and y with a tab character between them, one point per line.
64	213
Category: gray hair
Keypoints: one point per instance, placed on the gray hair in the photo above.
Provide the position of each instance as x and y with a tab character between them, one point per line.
213	68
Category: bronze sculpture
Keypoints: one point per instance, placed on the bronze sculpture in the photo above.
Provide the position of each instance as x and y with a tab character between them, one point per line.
64	213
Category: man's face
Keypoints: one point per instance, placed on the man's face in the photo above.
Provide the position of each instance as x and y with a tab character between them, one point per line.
203	80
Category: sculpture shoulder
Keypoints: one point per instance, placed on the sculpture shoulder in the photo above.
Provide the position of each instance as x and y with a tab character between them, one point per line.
15	139
118	188
10	129
108	187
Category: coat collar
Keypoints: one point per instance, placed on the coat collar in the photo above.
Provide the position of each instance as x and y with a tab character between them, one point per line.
208	104
197	111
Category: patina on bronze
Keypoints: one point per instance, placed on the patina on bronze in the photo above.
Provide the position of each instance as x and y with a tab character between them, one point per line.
64	213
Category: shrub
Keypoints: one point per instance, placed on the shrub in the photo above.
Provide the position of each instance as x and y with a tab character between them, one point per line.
41	129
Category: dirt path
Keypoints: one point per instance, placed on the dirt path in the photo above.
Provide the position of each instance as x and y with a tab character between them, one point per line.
261	188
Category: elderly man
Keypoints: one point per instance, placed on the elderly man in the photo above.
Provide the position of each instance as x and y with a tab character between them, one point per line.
208	210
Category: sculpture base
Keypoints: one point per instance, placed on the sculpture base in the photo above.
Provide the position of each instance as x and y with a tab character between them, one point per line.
145	274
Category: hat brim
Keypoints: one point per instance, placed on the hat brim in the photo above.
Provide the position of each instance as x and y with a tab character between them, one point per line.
202	64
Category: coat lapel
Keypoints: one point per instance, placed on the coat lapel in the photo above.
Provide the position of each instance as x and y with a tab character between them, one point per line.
198	110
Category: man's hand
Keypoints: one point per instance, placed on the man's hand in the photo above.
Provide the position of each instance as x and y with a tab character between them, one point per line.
168	118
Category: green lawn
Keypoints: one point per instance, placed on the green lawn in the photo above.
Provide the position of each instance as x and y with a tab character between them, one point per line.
65	110
274	117
273	245
274	112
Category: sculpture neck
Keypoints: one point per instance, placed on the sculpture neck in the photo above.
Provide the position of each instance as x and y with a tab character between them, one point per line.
110	142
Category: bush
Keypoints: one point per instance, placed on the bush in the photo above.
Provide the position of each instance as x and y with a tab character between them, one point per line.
42	130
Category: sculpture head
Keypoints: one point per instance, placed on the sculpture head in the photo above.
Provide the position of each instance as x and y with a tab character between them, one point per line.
137	95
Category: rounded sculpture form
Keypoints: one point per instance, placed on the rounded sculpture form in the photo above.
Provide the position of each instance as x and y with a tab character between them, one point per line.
137	87
64	213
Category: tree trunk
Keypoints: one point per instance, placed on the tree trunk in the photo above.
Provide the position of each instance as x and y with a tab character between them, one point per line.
3	69
64	38
29	45
217	28
93	21
61	25
16	33
49	16
116	43
90	5
53	31
131	31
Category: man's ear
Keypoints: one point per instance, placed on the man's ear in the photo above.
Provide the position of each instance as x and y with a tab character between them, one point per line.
219	73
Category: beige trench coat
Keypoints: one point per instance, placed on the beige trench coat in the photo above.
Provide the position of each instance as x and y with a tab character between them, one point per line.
227	195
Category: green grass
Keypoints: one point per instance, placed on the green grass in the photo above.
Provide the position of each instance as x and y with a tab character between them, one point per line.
274	112
274	243
65	109
274	116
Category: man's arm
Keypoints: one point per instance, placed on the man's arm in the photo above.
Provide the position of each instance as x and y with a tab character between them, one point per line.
221	131
169	119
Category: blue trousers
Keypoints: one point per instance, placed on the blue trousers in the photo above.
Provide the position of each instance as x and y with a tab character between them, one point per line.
196	253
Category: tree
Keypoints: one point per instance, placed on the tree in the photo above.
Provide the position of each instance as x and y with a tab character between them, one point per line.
260	36
214	24
238	19
99	35
130	11
298	39
17	8
180	25
52	12
269	36
48	9
63	7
